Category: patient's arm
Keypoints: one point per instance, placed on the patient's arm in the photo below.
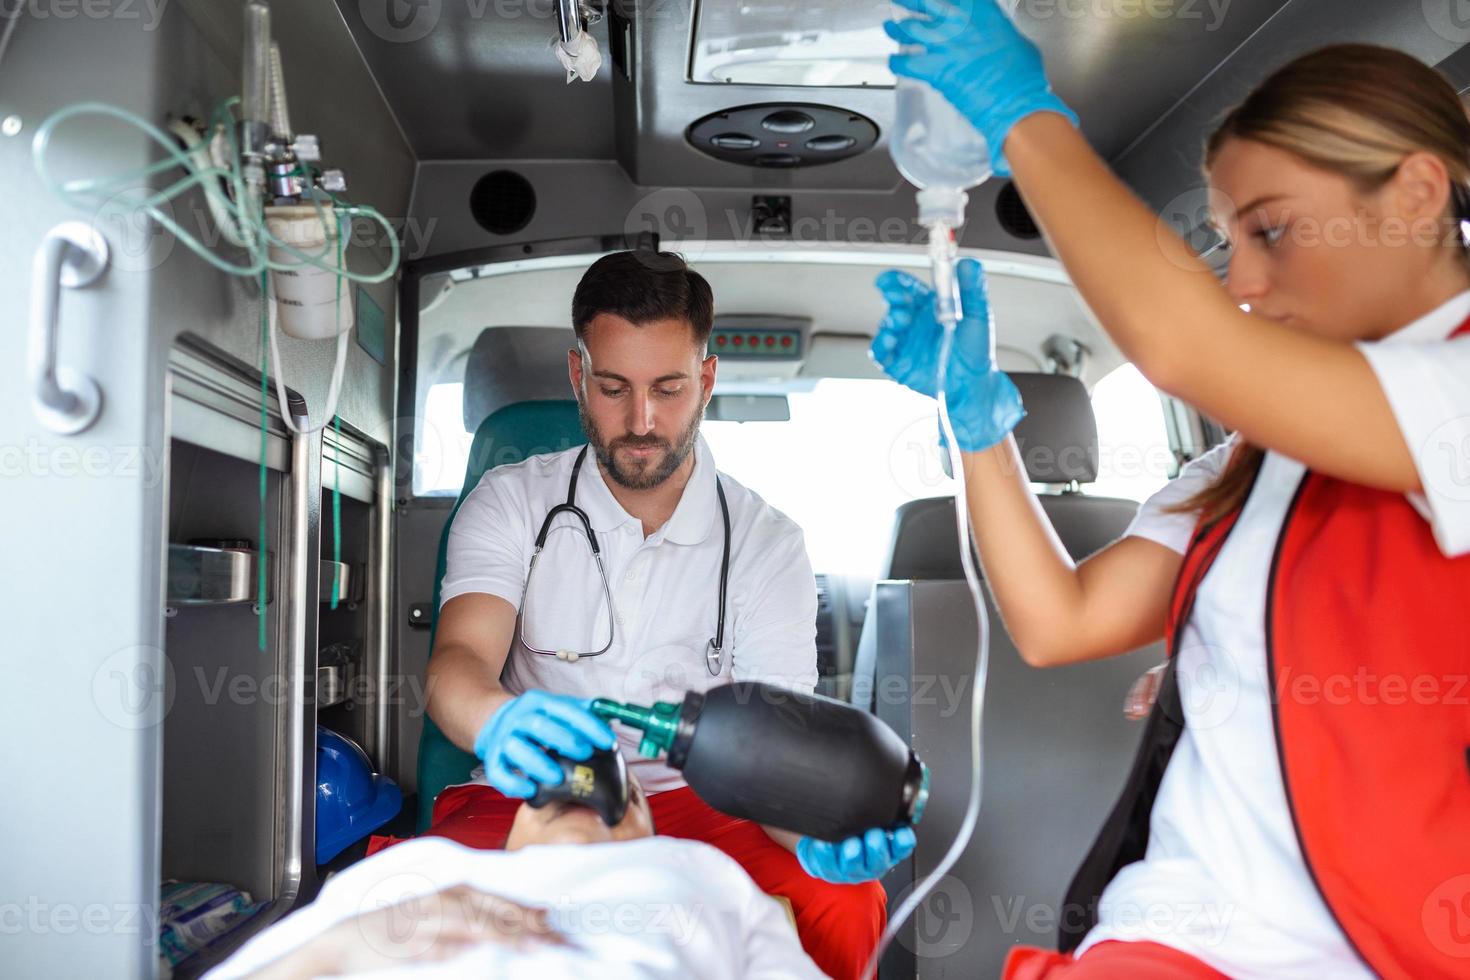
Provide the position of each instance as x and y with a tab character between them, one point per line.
785	838
421	929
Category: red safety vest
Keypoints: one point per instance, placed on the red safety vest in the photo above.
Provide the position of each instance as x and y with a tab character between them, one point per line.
1368	653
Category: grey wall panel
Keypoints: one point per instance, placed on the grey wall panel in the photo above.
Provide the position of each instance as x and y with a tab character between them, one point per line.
597	198
1056	749
417	528
1163	163
82	777
83	651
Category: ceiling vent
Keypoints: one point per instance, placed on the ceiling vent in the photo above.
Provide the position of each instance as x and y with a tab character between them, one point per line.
503	202
782	135
1014	216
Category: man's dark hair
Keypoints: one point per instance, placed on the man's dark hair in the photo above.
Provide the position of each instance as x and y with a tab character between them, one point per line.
642	287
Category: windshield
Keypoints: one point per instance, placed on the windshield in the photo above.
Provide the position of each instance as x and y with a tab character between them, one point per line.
855	450
851	454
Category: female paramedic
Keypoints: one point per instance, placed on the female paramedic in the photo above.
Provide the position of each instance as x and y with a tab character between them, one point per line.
1301	803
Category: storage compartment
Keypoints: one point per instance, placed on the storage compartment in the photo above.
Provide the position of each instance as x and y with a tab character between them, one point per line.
236	815
222	791
347	696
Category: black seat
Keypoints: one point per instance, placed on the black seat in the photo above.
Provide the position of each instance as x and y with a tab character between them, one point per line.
1058	445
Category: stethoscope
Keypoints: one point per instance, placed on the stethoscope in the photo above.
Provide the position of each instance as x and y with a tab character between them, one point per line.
714	652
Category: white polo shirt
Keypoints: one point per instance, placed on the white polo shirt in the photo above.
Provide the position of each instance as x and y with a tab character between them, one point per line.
1223	877
665	588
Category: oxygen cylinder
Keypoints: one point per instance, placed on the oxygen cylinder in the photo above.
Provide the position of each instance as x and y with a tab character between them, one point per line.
800	762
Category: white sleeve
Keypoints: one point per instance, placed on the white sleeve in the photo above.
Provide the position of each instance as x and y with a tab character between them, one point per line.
1173	529
489	546
767	946
1428	387
772	949
774	635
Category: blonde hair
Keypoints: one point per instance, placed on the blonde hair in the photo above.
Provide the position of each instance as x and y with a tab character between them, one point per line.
1356	110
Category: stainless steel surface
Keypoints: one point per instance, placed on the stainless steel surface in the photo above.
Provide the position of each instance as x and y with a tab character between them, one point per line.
379	662
819	44
568	19
478	81
330	686
296	735
214	404
346	577
73	255
349	463
200	576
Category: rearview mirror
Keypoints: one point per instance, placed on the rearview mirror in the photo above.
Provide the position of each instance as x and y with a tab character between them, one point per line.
748	408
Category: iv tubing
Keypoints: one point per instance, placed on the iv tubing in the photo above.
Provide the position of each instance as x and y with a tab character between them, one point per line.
942	254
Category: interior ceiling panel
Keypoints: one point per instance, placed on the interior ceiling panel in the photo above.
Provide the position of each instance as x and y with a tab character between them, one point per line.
477	79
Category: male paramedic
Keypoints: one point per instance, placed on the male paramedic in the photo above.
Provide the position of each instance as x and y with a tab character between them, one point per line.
521	648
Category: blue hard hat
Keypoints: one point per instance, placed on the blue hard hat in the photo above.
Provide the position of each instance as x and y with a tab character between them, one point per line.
351	800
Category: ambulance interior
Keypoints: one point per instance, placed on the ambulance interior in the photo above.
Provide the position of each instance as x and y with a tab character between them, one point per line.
163	707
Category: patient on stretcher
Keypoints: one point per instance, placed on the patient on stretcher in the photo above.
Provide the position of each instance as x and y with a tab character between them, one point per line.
569	896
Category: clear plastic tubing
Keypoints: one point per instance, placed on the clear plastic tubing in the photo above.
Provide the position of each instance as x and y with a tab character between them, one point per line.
255	95
941	154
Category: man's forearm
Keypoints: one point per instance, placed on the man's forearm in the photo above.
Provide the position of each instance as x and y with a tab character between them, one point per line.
785	838
460	697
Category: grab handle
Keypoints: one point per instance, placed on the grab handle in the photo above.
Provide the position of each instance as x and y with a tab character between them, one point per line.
74	255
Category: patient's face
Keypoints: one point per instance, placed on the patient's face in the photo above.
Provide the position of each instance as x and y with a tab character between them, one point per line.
564	822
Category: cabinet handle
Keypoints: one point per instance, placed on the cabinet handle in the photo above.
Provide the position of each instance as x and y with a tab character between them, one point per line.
74	255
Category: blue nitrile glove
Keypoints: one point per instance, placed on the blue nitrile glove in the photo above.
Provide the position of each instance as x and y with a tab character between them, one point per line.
983	403
972	54
513	742
866	857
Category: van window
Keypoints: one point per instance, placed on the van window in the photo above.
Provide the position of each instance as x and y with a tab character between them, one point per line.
1134	456
441	446
851	454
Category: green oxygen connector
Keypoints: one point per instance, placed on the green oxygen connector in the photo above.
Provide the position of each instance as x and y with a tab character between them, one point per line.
659	724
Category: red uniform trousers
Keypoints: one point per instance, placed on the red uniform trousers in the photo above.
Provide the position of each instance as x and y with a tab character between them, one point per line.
839	925
1107	961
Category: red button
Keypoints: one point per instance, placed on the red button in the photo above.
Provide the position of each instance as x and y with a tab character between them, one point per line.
754	340
785	341
720	341
770	341
739	340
